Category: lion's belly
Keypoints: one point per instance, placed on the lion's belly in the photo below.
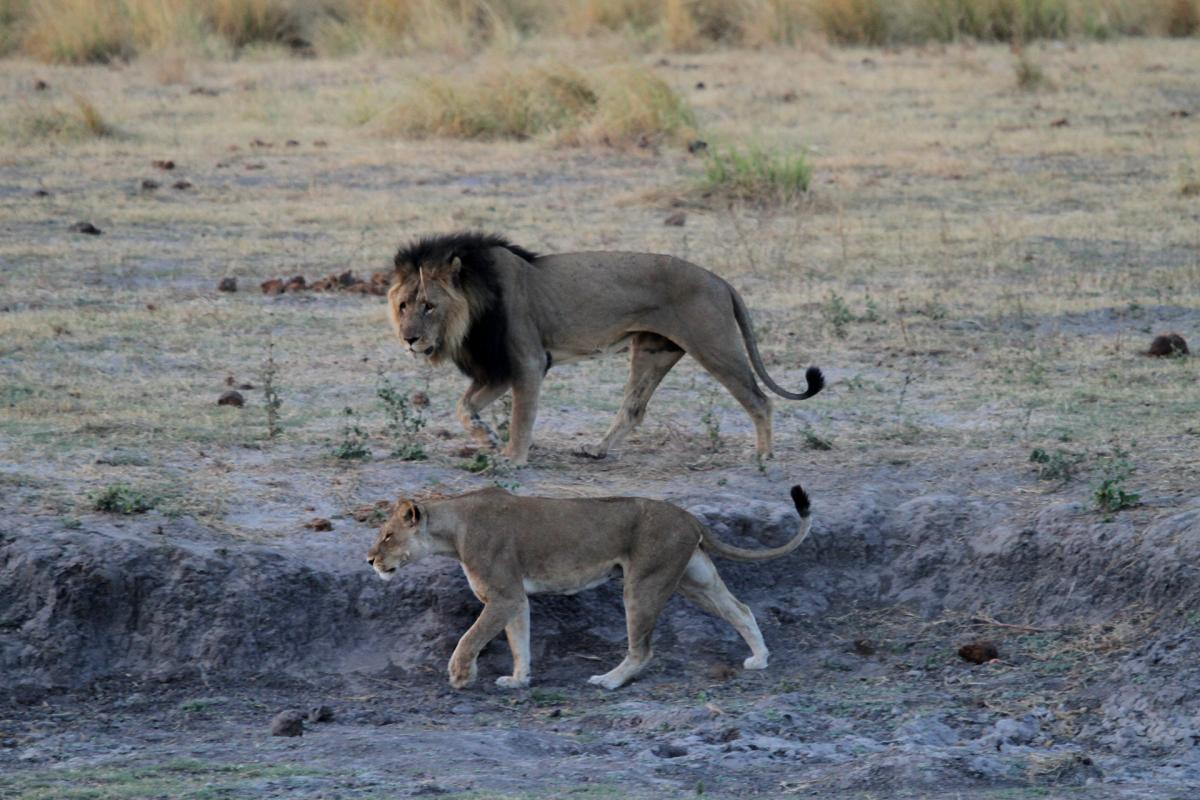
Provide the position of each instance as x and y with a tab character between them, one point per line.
568	585
565	355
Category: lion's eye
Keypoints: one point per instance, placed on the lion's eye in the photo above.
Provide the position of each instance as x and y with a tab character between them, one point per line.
402	305
429	307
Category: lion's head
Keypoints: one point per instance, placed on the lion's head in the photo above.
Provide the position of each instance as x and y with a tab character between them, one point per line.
429	310
401	540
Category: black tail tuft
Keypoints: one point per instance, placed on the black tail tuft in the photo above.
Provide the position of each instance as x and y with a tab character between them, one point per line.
800	498
816	381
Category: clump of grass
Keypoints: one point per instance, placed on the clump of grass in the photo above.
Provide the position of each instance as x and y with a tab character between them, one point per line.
353	446
756	175
814	441
853	21
1057	466
1030	76
712	423
837	314
1111	494
80	121
404	422
120	498
245	22
615	106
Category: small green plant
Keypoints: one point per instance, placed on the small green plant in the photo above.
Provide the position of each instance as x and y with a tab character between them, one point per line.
404	422
837	314
120	498
756	175
271	397
354	440
814	441
1111	495
1057	466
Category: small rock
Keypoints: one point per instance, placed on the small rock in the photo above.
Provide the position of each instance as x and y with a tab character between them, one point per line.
288	723
40	85
667	750
1168	344
1180	113
40	193
254	166
700	85
319	524
320	143
464	709
86	227
292	143
204	91
295	284
228	284
979	652
181	185
677	219
864	647
273	286
320	714
245	387
697	146
163	163
149	185
788	97
419	399
231	398
1061	122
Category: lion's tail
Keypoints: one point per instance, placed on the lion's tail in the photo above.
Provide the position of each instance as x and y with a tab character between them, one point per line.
715	546
816	381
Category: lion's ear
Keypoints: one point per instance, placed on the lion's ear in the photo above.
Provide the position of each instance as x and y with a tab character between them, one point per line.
409	511
449	271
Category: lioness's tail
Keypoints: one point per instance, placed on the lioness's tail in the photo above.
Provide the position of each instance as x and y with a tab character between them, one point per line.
717	547
816	381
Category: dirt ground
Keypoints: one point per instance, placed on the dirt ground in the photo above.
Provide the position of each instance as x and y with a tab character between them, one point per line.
978	269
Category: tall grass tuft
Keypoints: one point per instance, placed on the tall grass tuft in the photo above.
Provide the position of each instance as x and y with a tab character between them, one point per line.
615	106
756	175
82	120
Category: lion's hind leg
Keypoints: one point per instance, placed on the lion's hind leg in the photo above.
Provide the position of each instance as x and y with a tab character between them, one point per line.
703	586
650	358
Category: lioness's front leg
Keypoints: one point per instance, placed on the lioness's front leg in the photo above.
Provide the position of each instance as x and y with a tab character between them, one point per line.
475	399
496	614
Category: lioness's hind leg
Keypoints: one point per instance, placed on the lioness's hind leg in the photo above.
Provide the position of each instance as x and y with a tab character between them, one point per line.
650	358
517	632
703	586
645	597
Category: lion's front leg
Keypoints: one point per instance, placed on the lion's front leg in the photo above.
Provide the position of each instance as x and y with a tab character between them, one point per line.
475	399
495	616
525	401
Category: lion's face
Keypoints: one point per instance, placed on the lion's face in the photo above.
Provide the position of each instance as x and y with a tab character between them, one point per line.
429	313
399	541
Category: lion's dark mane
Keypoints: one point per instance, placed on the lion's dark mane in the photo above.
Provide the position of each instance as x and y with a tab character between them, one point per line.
483	355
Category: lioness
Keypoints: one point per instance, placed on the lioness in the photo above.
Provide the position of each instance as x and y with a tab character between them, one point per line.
511	547
505	315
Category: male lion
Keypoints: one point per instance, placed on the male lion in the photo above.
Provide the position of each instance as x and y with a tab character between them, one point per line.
511	547
504	316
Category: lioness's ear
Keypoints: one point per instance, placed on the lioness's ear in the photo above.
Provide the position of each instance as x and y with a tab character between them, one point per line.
410	512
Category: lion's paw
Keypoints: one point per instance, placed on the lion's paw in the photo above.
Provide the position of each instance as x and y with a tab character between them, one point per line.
462	678
756	662
604	681
591	451
512	682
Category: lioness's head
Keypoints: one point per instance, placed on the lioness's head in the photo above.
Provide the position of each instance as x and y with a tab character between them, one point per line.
429	308
400	540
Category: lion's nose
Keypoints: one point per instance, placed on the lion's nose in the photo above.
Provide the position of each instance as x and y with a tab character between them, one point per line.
411	340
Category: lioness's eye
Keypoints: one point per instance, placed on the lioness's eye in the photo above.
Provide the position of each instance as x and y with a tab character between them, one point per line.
402	305
428	307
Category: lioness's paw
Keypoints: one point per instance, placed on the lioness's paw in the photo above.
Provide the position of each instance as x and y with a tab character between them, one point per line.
756	662
461	678
512	682
604	681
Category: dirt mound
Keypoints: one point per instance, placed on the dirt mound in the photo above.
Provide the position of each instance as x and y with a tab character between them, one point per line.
82	605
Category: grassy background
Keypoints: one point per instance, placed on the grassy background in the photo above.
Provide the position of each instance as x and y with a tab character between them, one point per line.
80	31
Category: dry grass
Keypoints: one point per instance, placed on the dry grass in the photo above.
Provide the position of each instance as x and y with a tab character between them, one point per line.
615	105
998	277
80	31
51	121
